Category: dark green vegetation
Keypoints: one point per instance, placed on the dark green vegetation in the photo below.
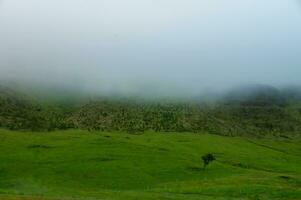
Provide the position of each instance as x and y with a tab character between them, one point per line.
110	165
256	111
207	159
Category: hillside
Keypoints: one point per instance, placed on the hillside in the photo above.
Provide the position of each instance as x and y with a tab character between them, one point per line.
112	166
19	111
258	110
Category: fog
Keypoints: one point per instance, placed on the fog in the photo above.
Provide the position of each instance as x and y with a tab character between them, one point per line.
152	47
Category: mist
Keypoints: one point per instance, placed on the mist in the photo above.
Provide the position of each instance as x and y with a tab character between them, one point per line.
150	47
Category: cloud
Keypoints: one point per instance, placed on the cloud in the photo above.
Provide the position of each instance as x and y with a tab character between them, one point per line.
160	47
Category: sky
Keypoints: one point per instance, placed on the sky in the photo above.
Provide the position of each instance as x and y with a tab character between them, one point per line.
150	46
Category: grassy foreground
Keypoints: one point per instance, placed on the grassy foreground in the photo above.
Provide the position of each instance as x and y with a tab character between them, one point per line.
100	165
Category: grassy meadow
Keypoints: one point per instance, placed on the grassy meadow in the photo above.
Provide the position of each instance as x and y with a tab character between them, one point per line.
78	164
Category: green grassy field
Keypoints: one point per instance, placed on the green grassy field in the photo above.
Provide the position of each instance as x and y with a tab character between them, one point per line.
100	165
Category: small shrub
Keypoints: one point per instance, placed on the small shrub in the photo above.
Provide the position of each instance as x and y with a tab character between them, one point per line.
208	158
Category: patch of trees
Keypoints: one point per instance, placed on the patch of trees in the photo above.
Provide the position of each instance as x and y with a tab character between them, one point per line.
224	118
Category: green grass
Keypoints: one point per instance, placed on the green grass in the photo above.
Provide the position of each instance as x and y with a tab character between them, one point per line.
99	165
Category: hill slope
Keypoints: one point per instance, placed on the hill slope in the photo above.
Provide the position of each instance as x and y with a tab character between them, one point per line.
253	111
19	111
83	165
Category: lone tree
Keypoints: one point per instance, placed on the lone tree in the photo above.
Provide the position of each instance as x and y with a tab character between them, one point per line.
207	159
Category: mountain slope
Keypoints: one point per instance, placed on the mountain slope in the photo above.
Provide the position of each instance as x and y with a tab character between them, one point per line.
252	111
21	112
